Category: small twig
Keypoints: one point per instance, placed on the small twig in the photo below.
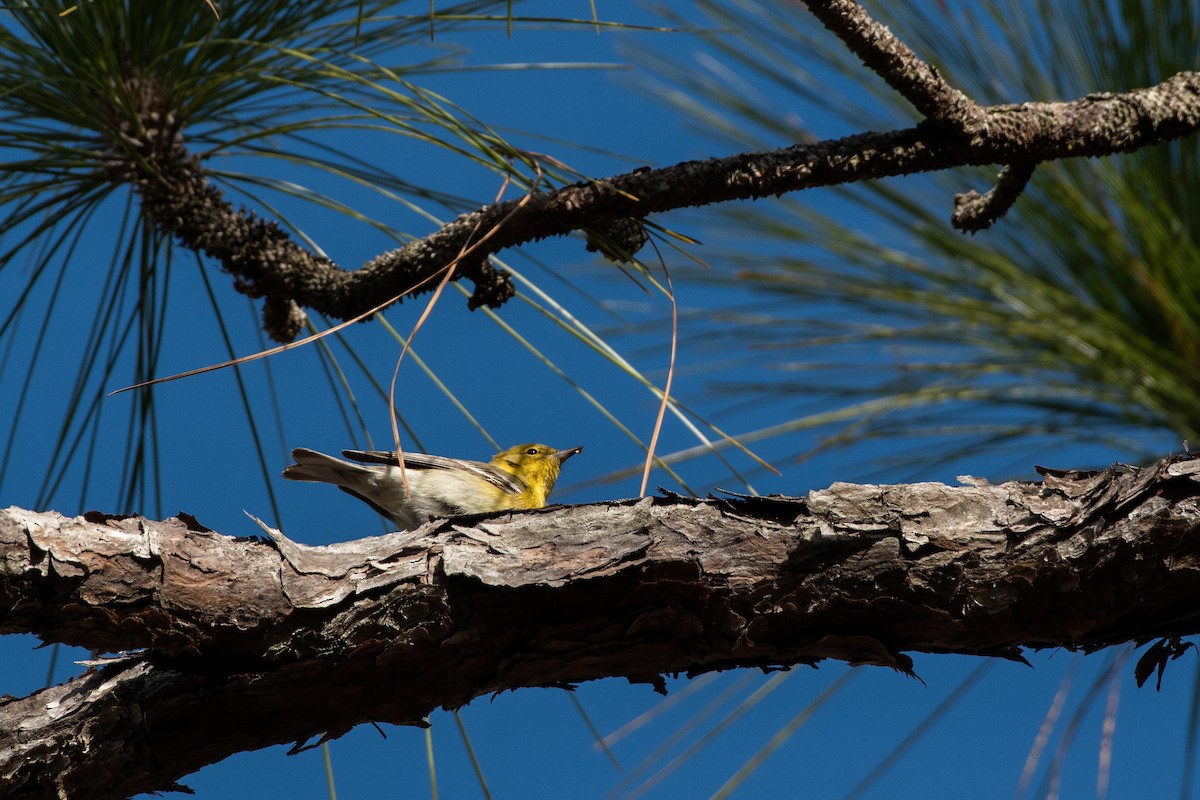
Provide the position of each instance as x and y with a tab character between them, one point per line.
974	211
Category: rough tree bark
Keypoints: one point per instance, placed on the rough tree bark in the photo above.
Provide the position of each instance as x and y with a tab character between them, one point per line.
242	643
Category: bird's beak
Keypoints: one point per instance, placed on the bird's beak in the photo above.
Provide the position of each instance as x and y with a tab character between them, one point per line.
563	455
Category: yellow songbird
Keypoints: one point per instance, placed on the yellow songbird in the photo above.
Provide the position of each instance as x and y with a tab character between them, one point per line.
519	477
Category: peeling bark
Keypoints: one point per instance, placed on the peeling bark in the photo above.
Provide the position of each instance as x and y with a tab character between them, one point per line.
243	643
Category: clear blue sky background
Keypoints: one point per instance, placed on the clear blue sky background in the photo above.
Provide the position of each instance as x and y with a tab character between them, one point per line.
533	743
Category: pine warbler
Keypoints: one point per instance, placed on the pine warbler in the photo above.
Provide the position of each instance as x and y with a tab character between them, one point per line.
519	477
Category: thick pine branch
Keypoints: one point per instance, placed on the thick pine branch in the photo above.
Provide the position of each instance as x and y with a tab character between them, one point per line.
252	642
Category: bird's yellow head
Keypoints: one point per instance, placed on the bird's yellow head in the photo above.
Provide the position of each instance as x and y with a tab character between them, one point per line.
537	465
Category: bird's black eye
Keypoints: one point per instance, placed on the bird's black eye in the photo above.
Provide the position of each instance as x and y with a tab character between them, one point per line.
533	451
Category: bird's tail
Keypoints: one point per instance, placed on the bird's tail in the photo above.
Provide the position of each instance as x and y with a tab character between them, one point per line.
320	468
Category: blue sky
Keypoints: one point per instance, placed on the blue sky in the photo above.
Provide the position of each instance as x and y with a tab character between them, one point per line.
533	743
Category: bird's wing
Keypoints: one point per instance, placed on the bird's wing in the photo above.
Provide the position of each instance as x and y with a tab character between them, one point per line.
498	477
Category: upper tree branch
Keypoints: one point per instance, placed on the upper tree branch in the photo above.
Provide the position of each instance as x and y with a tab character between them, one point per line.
267	263
390	628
